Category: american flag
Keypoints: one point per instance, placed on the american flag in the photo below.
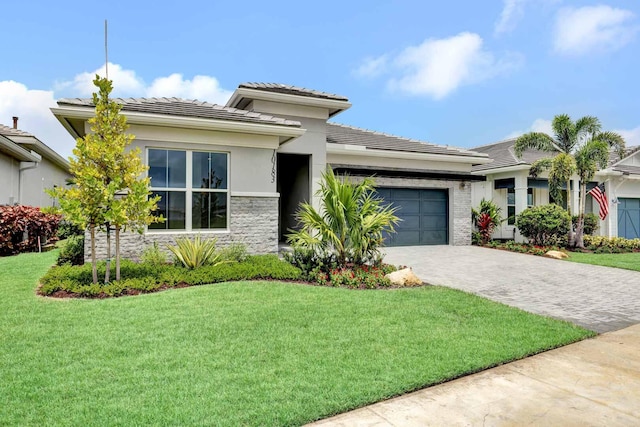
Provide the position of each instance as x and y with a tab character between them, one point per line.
600	196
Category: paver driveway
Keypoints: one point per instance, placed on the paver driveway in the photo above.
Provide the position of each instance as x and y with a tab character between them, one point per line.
599	298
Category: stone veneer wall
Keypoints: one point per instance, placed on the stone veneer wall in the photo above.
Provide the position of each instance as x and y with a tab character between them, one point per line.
459	202
253	221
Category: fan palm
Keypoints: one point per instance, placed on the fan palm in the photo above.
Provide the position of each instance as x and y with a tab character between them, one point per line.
349	225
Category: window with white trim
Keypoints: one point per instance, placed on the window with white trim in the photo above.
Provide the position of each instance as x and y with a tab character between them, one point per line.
511	206
193	189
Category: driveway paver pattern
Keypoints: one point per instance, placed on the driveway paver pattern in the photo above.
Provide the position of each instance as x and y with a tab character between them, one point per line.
598	298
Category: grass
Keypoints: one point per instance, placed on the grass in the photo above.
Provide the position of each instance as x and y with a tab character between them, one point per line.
628	261
245	353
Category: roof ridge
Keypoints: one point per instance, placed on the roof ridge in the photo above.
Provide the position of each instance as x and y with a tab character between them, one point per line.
502	141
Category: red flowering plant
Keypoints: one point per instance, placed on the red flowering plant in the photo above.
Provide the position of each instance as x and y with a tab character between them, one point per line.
25	228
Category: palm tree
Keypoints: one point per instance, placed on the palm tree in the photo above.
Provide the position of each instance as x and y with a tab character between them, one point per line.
350	224
591	156
578	147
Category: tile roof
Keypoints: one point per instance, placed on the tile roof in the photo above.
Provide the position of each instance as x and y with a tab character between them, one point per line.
292	90
9	131
503	155
343	134
614	158
187	108
627	169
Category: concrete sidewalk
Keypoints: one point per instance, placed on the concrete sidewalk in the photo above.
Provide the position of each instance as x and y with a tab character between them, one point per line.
591	383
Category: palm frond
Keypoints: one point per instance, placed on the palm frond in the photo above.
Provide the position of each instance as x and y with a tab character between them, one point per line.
533	141
565	132
540	166
613	140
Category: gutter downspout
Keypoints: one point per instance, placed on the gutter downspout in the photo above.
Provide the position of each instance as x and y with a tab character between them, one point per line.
23	167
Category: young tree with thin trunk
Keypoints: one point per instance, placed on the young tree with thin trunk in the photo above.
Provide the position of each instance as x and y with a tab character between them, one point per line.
109	188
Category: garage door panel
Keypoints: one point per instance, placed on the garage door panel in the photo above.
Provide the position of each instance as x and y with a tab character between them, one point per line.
424	215
433	222
431	207
432	236
629	218
404	194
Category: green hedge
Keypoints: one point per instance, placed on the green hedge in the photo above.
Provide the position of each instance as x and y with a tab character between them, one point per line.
144	277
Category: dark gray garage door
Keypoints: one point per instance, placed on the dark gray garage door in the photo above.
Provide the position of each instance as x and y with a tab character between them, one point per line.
424	216
629	218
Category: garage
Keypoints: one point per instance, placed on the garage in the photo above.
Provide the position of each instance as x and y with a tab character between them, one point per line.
629	218
424	214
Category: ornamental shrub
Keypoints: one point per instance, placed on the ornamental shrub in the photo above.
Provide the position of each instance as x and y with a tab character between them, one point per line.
544	224
25	228
72	252
611	245
591	222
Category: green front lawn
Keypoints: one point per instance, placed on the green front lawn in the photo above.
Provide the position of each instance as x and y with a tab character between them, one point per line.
629	261
245	353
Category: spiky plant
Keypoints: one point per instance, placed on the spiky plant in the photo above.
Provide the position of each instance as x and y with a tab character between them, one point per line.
349	224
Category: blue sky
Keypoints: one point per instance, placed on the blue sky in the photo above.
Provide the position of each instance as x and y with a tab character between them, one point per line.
461	73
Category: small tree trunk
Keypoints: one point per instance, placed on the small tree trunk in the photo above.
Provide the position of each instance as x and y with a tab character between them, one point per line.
571	236
117	252
580	225
107	272
94	266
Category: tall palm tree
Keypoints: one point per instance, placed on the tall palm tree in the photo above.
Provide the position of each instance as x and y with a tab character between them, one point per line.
589	157
577	147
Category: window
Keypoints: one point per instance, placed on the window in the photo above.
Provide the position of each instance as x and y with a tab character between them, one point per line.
511	206
193	189
530	197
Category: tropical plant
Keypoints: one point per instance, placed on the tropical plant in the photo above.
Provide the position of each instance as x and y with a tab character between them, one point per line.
591	156
350	223
487	217
591	223
195	253
577	147
543	225
107	189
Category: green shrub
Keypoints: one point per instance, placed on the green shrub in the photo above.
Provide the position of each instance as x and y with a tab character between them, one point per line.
67	229
236	252
543	224
195	253
72	252
145	277
153	255
591	223
308	260
611	245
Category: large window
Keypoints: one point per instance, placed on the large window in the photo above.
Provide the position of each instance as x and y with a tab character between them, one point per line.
511	206
193	187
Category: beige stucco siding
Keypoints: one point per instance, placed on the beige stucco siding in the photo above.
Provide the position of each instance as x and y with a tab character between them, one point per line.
388	162
8	179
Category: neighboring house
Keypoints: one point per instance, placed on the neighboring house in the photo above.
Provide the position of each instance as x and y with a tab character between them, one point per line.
508	184
27	168
238	172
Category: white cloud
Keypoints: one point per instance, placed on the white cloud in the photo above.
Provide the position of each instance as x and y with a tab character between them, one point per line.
128	83
512	12
372	67
538	125
32	107
593	29
204	88
631	136
437	67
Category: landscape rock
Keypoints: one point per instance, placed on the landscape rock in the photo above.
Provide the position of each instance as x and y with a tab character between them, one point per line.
556	255
404	277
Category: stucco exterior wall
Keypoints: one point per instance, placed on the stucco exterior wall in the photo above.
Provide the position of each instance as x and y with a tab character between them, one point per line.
8	179
35	181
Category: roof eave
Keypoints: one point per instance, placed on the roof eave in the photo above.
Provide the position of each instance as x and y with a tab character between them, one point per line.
357	150
334	106
283	132
17	151
43	149
515	168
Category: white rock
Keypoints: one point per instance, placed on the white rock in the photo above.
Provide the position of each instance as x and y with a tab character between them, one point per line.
404	277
